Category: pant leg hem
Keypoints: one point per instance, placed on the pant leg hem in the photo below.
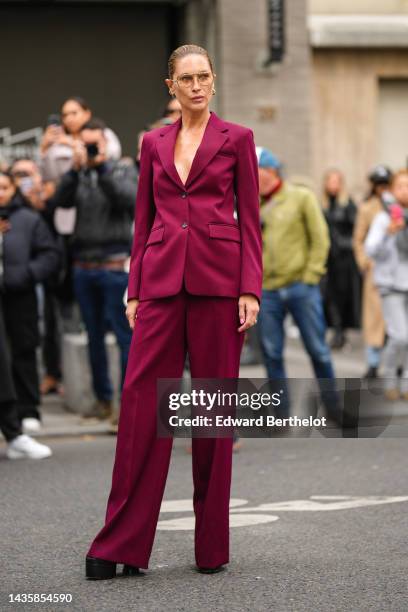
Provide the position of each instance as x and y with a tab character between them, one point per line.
121	559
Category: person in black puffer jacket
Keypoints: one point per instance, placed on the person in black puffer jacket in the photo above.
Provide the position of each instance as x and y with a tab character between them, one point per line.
58	298
28	255
104	196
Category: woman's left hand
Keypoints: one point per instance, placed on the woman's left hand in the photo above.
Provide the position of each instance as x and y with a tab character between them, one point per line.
248	307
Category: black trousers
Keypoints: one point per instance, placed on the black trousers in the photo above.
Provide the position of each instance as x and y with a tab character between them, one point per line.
342	290
20	316
10	424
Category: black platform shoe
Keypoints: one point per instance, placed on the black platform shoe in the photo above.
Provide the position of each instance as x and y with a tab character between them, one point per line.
211	570
130	570
372	372
99	569
338	340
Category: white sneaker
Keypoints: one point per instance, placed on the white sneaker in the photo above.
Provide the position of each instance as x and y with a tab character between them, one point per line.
24	447
31	425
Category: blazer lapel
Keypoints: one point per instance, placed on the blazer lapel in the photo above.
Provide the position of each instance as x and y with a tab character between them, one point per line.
214	137
165	149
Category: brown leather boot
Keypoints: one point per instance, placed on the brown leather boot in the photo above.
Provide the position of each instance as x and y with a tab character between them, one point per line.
392	395
101	410
49	384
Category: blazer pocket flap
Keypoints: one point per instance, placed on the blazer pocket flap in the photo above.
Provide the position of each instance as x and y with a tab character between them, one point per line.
224	231
156	235
226	153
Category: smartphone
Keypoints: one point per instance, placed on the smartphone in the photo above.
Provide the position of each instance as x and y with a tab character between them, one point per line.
92	150
4	213
26	184
54	120
396	212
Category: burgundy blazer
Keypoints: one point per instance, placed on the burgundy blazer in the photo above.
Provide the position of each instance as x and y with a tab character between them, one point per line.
189	230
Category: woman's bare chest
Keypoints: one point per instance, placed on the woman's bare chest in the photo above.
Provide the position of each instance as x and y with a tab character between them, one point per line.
184	153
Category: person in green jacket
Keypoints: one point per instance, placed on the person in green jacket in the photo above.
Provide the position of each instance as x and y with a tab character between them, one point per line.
295	249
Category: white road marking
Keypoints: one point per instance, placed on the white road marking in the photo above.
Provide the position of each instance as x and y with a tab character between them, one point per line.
340	502
236	520
186	505
239	516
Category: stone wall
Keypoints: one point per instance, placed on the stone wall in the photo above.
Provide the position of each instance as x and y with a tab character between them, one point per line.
275	102
346	109
358	7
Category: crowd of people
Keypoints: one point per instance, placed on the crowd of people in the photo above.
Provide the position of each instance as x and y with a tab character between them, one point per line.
66	225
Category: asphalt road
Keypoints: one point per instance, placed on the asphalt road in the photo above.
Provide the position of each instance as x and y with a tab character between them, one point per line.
342	546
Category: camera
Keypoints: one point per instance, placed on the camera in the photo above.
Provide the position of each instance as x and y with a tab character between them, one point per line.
26	184
4	214
92	150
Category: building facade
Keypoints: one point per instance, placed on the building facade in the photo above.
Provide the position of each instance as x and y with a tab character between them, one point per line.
274	100
336	93
360	85
113	54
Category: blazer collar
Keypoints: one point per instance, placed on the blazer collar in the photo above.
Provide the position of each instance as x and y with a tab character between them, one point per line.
215	134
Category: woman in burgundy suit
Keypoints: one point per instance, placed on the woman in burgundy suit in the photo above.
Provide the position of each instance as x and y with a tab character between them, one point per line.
194	286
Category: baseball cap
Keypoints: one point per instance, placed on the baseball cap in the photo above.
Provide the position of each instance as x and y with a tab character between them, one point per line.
266	159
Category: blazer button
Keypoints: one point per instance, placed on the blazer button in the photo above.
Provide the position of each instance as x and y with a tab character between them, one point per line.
184	194
184	225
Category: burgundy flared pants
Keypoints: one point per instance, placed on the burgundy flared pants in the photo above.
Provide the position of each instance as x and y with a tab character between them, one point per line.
165	330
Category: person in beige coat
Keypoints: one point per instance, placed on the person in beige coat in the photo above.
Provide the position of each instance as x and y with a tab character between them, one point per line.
372	317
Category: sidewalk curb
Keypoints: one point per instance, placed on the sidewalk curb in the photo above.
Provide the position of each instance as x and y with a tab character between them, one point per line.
72	432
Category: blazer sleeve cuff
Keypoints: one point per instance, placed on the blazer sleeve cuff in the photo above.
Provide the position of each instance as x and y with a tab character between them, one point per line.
133	287
253	291
132	297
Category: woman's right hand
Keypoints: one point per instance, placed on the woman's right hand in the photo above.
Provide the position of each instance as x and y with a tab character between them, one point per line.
131	312
50	137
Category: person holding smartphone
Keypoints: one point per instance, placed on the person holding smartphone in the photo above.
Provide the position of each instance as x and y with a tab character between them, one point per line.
103	196
387	245
63	131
